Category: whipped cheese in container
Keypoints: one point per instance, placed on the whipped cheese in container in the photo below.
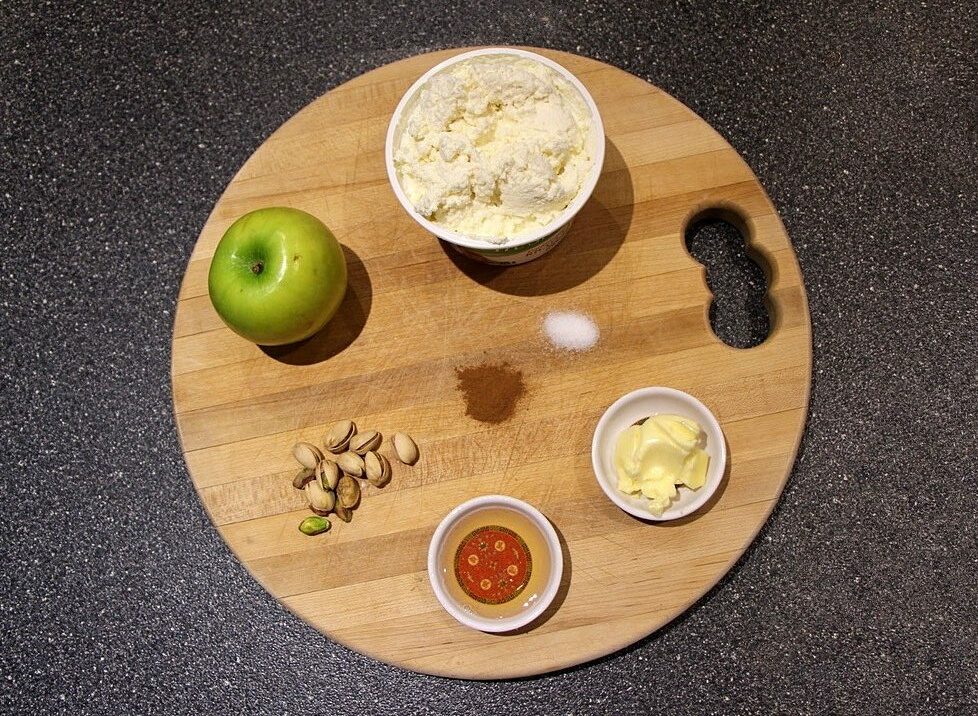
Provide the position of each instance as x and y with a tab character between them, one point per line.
495	151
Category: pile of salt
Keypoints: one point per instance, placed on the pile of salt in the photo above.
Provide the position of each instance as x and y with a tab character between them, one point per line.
570	330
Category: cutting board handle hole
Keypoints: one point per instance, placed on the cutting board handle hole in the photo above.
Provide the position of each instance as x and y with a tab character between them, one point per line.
737	277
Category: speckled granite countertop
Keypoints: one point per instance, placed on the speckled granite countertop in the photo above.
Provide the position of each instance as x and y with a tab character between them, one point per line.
121	128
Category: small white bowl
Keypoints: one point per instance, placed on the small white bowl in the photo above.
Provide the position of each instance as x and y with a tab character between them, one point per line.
522	248
462	612
640	404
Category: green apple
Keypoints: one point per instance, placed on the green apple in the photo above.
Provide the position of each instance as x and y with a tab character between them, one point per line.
278	276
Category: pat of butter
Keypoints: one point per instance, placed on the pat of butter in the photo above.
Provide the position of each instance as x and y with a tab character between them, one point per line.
654	457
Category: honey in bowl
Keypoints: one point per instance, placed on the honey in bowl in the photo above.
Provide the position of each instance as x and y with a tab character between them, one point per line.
495	563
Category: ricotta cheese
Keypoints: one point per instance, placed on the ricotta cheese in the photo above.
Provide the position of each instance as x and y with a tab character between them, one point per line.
494	147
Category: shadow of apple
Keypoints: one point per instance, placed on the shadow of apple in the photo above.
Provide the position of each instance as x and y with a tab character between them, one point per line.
340	332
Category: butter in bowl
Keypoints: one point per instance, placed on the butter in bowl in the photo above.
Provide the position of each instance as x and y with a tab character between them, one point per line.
658	453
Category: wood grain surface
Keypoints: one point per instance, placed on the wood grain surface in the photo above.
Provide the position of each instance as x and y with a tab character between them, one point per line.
415	312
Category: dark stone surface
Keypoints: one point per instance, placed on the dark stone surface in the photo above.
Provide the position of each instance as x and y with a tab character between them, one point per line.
120	129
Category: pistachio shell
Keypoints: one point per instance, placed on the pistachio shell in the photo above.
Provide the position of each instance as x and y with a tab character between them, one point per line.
350	463
405	448
302	477
348	492
377	468
307	454
338	436
319	499
362	443
328	474
344	513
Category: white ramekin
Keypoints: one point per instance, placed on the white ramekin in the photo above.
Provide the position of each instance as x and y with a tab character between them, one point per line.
635	406
524	248
461	613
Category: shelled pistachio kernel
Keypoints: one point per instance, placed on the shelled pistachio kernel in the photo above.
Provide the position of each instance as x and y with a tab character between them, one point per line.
405	448
362	443
337	438
307	454
314	525
377	468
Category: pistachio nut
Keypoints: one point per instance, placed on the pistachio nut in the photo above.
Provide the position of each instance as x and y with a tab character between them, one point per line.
350	463
321	500
377	468
302	477
338	436
362	443
344	513
314	525
348	492
405	448
307	454
328	474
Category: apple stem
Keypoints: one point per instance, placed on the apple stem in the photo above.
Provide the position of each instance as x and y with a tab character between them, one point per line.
257	267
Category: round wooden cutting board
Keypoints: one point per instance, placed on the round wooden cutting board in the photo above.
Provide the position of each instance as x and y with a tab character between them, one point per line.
415	313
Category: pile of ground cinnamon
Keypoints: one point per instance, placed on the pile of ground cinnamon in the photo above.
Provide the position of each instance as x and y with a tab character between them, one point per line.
491	391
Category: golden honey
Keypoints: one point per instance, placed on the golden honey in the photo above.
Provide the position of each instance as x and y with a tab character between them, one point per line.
495	563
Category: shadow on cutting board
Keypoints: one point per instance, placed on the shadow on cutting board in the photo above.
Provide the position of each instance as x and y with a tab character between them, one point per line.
342	329
595	236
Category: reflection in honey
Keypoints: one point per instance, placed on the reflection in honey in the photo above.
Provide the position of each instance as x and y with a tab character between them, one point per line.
494	563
